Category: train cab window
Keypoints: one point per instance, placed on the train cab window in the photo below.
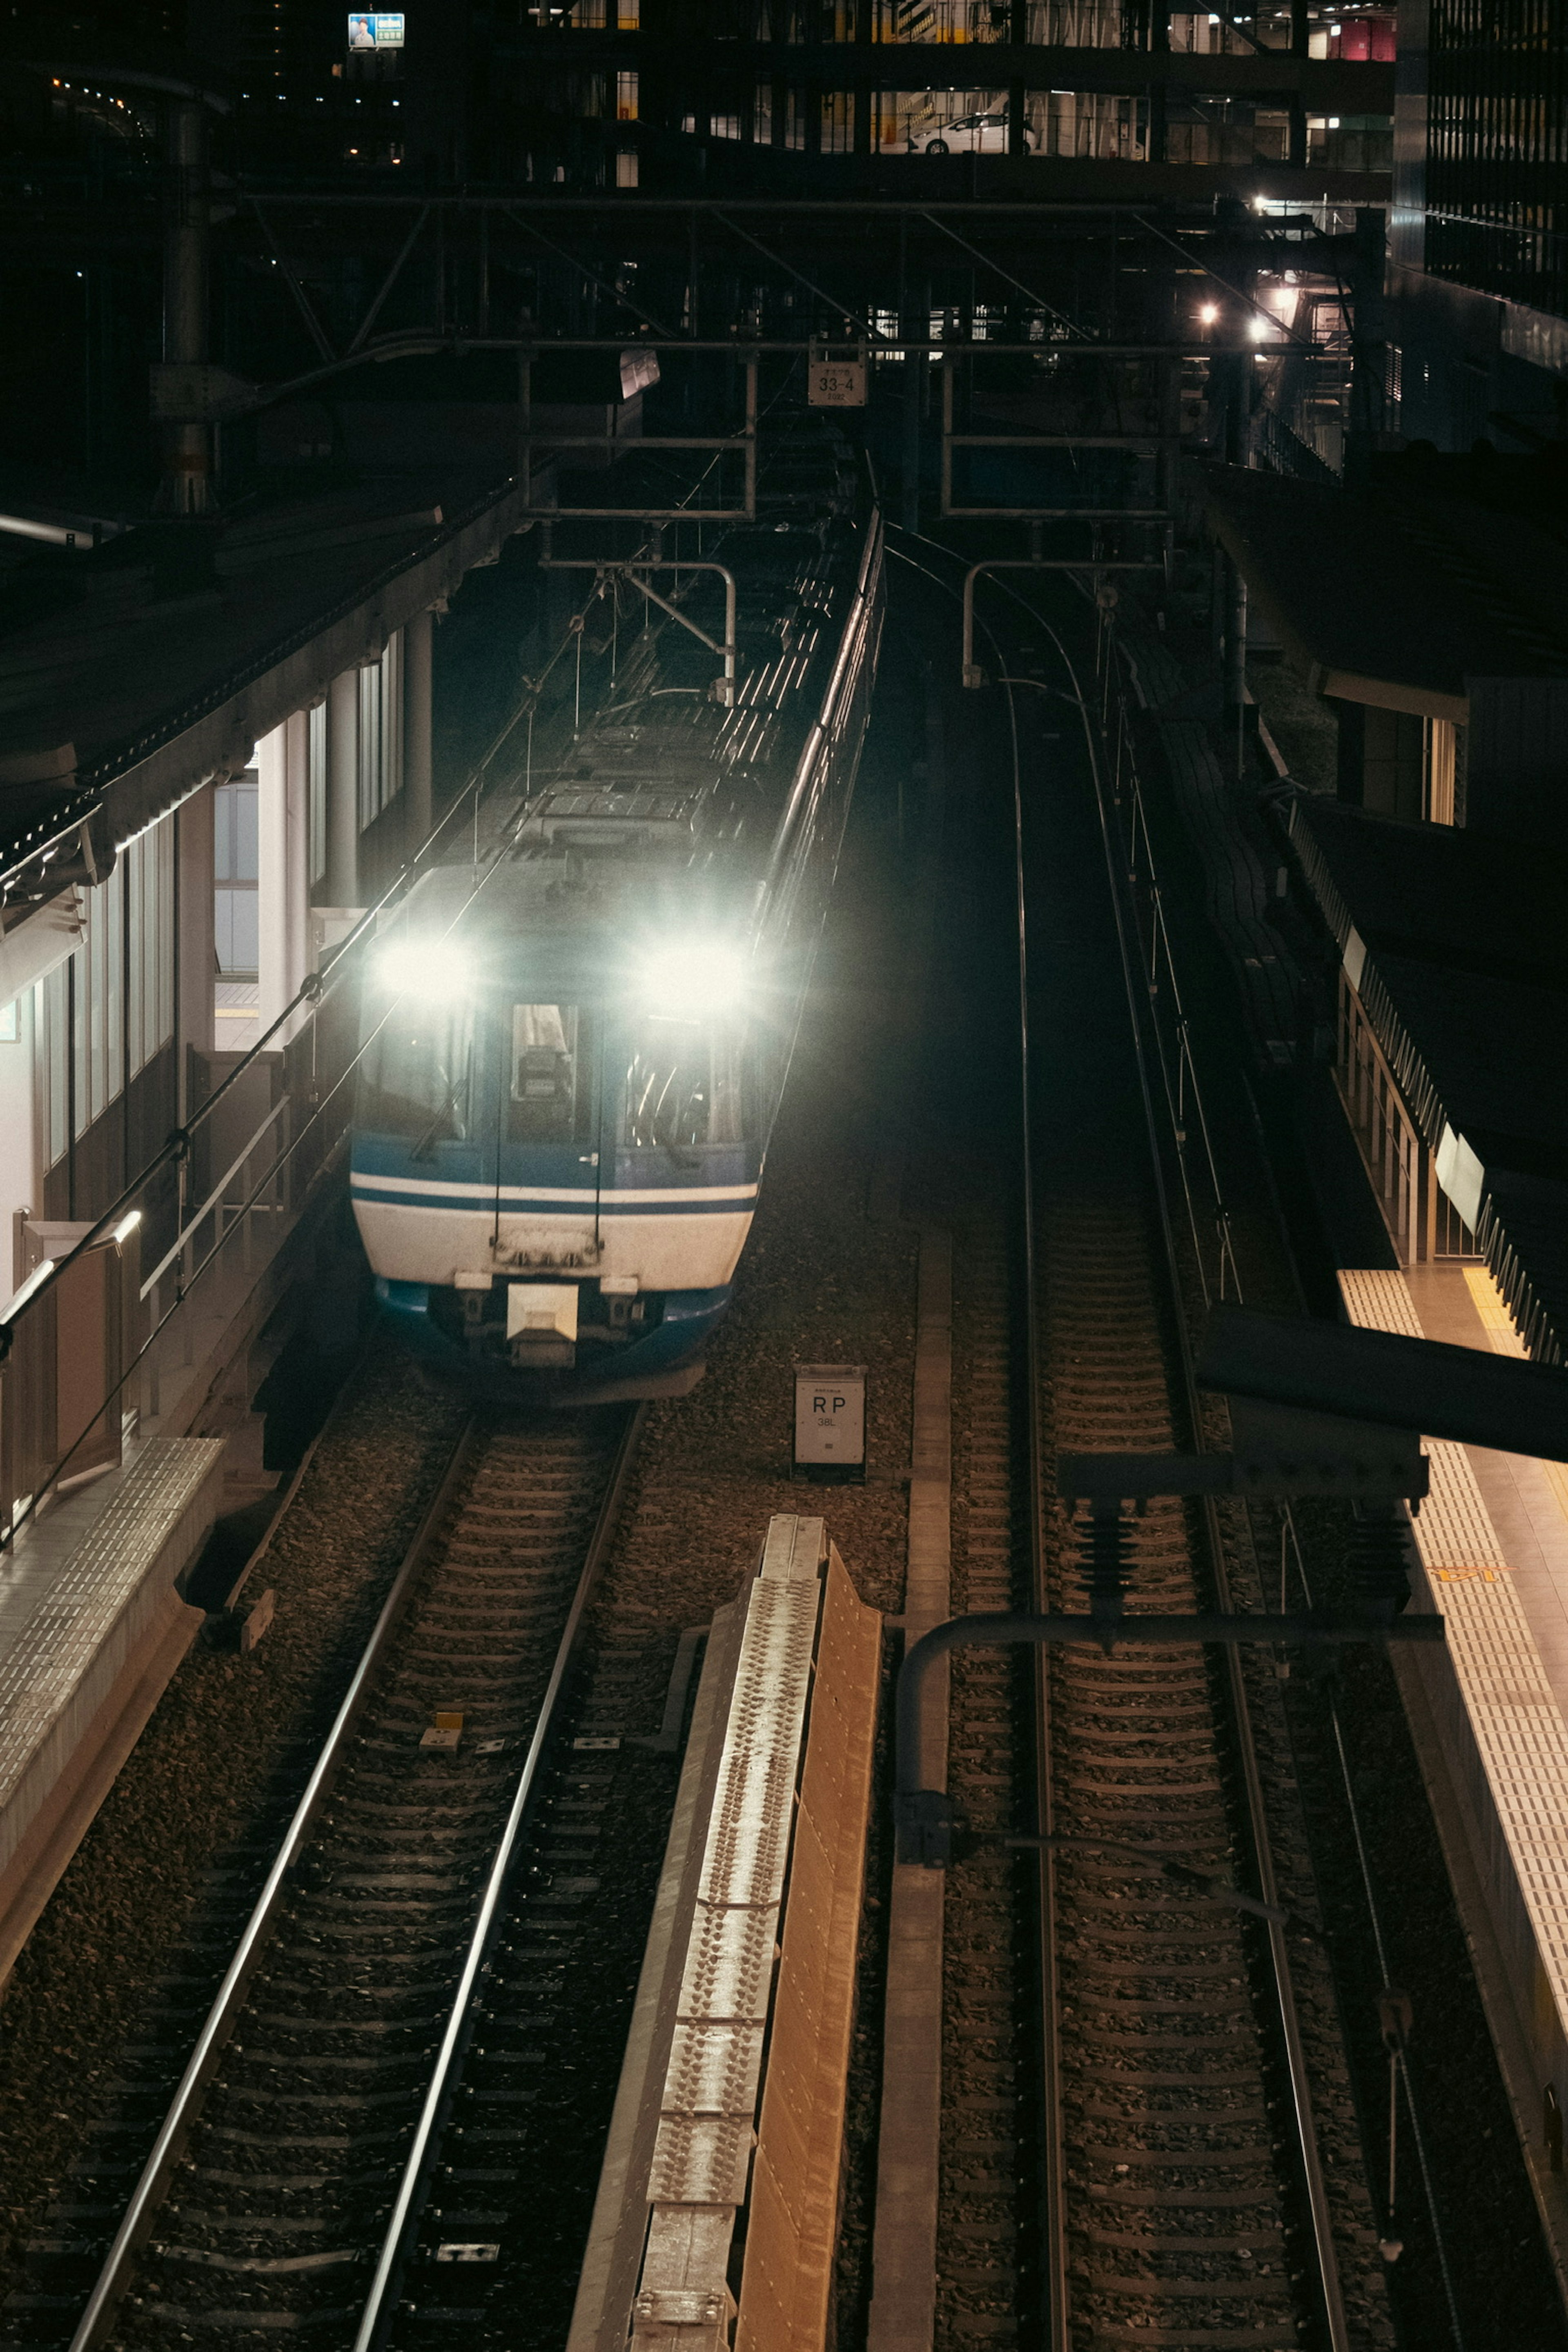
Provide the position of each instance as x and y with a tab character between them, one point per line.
417	1077
546	1087
683	1083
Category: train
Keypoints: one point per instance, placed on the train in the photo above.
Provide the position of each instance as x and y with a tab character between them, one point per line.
573	1050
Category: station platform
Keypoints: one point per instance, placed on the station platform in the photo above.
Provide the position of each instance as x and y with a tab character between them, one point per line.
92	1620
91	1627
1489	1709
1415	912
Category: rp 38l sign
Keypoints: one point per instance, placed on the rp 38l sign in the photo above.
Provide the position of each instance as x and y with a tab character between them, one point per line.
830	1423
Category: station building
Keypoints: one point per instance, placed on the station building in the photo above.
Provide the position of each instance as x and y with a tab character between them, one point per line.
215	754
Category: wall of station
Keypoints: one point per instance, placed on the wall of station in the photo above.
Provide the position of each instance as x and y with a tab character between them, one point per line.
199	938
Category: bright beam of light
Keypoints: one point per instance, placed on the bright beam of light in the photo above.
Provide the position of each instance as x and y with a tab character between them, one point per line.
437	971
691	979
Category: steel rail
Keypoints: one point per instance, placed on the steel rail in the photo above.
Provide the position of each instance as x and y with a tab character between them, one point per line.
1058	2311
381	2304
1333	2295
1056	2283
1057	2314
98	2319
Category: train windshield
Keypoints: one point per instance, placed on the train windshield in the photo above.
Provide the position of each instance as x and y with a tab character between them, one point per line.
417	1076
683	1083
548	1095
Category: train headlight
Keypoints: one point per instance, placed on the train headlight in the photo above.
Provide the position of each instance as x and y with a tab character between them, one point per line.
692	979
434	971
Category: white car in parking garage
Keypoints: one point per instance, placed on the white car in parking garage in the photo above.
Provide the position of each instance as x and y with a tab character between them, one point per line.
970	134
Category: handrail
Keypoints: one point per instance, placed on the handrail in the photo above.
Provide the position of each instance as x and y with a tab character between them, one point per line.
314	989
381	2304
47	1483
183	1240
98	2319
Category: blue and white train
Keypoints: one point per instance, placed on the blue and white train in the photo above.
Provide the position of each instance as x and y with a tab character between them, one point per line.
574	1051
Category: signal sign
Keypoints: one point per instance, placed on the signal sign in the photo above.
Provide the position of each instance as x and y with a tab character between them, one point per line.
836	382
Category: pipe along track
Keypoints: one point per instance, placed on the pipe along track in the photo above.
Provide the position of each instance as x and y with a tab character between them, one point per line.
290	2185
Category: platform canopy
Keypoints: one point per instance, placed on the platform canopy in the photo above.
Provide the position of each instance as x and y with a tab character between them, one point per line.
1396	595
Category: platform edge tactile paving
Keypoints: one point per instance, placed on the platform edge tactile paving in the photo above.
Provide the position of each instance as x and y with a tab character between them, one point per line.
82	1629
1521	1740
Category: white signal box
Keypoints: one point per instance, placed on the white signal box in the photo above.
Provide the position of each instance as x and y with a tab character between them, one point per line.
830	1423
836	382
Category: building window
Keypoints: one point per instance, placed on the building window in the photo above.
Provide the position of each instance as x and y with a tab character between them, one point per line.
380	732
626	167
236	872
1442	769
625	98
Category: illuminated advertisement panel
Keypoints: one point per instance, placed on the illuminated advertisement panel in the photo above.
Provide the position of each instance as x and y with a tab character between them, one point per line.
374	29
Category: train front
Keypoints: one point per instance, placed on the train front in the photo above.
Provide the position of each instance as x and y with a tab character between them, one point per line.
555	1153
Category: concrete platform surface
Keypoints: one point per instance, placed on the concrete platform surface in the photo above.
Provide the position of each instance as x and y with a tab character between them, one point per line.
1489	1711
87	1620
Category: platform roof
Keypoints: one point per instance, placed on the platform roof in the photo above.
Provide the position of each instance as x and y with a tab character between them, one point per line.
130	674
1398	595
1456	946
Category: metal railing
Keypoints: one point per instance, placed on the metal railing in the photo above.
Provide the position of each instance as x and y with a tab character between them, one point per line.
197	1224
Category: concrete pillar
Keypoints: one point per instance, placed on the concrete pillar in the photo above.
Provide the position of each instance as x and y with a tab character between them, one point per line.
419	639
343	791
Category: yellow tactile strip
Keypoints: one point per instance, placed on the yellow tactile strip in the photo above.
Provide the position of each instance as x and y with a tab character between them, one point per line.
1519	1731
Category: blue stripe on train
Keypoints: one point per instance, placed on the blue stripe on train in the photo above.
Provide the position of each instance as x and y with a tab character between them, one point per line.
607	1206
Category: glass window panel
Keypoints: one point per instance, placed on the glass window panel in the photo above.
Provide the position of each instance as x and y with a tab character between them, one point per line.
417	1077
683	1085
370	746
392	718
245	819
549	1085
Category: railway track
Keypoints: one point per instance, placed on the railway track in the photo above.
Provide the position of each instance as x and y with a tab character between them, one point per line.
1174	2192
1178	2202
364	2142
